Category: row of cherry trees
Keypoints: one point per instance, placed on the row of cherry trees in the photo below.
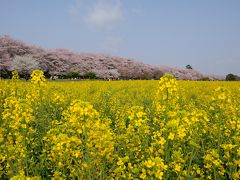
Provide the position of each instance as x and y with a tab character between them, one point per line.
62	62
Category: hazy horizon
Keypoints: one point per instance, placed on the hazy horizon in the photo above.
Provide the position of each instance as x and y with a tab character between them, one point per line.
204	34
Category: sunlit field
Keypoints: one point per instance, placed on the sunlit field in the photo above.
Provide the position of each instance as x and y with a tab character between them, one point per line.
165	129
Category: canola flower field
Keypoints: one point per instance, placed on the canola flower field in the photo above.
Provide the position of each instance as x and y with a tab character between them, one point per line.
164	129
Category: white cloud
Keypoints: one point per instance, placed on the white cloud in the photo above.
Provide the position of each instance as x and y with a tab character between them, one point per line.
99	15
105	14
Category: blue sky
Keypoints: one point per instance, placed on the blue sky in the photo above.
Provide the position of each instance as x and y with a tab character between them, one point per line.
202	33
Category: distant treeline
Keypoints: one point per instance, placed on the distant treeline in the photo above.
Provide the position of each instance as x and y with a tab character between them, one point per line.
232	77
7	74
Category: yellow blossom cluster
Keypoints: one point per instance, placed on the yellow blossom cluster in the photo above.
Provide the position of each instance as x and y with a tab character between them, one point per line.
15	75
79	142
37	77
